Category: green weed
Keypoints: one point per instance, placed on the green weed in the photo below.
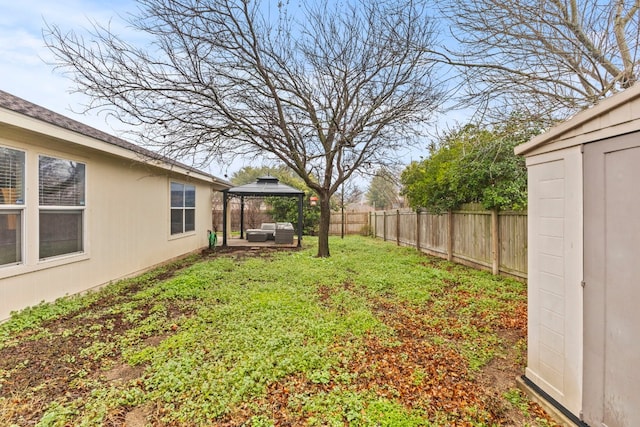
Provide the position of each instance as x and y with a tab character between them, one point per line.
221	331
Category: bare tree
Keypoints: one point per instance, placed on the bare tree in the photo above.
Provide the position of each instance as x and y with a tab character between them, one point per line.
384	189
549	58
349	193
327	88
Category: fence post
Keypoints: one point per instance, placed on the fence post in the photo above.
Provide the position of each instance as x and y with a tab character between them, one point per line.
371	226
375	224
495	243
384	226
398	227
450	236
418	229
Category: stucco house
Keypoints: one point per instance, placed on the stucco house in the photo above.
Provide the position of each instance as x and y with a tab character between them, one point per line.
80	208
584	263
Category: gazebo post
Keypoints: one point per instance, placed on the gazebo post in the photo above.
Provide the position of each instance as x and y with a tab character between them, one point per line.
241	217
300	219
225	197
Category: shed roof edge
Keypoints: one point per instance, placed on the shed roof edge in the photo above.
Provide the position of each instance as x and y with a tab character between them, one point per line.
556	132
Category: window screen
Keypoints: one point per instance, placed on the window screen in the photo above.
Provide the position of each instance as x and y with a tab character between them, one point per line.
11	194
10	237
60	233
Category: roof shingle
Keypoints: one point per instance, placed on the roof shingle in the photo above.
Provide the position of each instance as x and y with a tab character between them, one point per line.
22	106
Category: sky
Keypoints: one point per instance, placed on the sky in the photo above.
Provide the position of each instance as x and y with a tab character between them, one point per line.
25	69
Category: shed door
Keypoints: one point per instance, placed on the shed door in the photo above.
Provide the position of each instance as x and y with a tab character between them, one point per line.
612	277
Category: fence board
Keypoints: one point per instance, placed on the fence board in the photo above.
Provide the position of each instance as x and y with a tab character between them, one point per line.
472	236
513	242
407	228
390	226
433	232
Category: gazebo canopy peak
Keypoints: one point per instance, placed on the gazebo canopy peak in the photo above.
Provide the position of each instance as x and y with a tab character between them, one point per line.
265	186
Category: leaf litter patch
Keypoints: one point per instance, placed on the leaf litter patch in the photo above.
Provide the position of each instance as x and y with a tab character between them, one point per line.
417	366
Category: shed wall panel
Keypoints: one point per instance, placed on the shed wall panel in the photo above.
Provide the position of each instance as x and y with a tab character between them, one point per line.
552	227
622	345
612	335
555	260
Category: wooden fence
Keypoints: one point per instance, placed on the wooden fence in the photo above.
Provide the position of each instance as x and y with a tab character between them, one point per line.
495	241
354	223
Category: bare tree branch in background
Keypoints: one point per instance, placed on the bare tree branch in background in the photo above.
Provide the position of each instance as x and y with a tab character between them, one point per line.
384	189
326	88
547	58
348	194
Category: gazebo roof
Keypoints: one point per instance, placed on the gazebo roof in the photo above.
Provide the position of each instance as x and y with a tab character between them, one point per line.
265	186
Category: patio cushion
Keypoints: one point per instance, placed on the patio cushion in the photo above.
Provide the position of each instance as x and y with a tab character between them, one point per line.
255	235
269	228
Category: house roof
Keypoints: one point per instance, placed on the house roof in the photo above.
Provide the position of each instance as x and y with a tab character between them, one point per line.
616	115
265	186
29	109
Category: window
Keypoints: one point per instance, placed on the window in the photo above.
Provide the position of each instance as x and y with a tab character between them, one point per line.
61	188
183	208
11	205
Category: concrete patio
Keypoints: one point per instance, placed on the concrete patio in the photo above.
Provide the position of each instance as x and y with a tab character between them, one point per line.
236	242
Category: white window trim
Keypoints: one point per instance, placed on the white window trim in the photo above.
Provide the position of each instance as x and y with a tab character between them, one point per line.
30	210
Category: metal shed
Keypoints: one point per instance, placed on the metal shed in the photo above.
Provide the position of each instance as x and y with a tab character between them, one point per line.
584	263
265	186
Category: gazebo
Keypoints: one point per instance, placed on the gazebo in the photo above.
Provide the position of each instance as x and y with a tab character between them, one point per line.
266	186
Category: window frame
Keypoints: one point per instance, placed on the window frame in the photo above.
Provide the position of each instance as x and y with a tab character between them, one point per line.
16	207
70	208
181	205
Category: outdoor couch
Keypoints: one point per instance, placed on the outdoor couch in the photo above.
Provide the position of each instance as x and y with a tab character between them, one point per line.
266	232
281	232
284	233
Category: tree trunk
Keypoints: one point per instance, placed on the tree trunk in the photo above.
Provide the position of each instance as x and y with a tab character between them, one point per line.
323	229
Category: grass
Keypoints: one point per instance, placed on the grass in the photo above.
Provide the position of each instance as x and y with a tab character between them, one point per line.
376	335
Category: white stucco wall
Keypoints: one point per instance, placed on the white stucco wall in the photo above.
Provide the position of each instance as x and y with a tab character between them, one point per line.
127	223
